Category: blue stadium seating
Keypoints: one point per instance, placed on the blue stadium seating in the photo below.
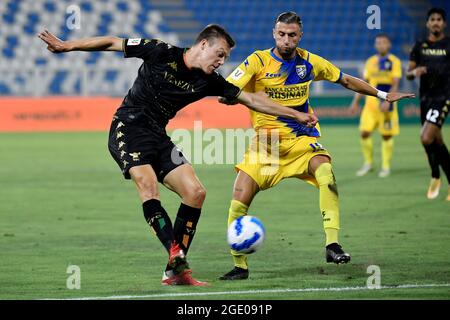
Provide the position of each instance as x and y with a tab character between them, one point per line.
329	28
335	29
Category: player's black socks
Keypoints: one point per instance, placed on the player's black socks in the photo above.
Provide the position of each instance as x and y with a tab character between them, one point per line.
433	159
444	159
185	226
158	219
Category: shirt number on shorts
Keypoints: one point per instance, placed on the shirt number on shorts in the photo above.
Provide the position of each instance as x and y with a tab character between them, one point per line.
432	115
316	146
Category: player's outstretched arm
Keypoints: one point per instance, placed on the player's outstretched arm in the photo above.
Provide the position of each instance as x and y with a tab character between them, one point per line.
261	103
56	45
354	105
360	86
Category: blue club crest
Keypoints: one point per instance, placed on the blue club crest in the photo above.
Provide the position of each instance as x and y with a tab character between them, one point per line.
301	71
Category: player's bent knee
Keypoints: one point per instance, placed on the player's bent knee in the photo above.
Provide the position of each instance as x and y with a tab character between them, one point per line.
147	188
200	194
195	196
426	139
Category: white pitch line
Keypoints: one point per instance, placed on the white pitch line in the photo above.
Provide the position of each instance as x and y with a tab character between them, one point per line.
215	293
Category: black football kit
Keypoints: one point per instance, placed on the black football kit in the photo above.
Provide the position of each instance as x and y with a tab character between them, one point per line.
435	83
164	86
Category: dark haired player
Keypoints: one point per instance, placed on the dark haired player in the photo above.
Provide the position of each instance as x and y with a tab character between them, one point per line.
285	73
430	61
383	71
169	79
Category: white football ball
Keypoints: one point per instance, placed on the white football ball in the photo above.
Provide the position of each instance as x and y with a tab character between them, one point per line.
246	234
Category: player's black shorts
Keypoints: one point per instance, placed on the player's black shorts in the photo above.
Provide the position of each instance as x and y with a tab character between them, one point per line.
135	139
434	110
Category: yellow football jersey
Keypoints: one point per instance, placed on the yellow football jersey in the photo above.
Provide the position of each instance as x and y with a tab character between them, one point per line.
379	72
286	82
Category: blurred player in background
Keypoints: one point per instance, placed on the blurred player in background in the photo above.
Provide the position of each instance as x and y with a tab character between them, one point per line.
383	71
169	79
430	61
285	73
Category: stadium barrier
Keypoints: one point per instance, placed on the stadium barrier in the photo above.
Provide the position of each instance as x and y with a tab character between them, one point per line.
334	110
95	114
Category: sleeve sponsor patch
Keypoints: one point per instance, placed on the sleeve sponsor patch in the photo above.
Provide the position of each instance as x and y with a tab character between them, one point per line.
237	74
133	42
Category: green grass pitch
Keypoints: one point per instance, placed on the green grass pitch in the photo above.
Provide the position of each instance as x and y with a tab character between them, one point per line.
64	202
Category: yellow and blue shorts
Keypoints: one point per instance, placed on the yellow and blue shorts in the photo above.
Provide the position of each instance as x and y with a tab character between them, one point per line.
269	162
386	122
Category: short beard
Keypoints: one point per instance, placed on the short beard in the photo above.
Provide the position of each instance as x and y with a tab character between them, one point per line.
436	33
286	55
